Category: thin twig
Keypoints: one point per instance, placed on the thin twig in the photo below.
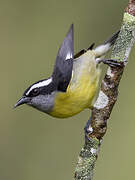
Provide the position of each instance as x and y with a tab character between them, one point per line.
97	125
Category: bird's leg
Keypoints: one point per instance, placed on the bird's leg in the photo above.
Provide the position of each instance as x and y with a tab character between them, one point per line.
112	62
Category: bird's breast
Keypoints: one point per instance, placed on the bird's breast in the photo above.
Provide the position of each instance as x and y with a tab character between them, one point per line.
81	90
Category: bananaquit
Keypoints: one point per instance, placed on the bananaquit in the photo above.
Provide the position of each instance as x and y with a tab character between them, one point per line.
74	81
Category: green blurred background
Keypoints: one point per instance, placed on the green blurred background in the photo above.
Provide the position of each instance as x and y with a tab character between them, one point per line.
34	146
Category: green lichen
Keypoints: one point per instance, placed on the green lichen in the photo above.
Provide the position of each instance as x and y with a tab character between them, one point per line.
126	38
86	160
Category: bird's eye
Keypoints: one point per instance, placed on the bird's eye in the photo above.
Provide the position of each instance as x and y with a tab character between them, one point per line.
35	92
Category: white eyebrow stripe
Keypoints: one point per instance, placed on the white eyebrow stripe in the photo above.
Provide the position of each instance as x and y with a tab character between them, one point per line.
40	84
69	56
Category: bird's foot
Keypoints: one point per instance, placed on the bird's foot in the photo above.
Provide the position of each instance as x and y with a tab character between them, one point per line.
113	62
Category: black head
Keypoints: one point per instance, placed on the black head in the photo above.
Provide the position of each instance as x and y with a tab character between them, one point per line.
42	87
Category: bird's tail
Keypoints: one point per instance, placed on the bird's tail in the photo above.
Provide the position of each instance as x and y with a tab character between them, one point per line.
102	49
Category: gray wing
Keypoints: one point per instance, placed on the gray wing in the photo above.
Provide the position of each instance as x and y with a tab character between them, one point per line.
64	62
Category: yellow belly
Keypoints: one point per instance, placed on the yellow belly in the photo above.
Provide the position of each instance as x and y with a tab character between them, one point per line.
81	90
74	101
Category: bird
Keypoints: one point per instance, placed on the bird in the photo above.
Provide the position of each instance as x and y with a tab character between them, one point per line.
74	81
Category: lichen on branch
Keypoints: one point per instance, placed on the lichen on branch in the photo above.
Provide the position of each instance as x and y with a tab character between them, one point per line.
97	125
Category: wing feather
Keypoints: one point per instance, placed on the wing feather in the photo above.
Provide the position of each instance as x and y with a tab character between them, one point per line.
64	62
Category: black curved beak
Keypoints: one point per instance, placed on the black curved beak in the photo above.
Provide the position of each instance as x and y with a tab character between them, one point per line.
23	100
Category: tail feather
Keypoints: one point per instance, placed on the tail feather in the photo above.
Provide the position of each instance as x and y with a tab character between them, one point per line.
112	39
104	48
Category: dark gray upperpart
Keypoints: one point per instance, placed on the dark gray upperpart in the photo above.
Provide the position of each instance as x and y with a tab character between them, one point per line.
41	94
62	72
64	62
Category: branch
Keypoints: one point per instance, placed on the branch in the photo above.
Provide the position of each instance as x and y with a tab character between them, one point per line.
97	125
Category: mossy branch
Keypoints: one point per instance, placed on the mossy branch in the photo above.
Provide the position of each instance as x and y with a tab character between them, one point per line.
97	125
